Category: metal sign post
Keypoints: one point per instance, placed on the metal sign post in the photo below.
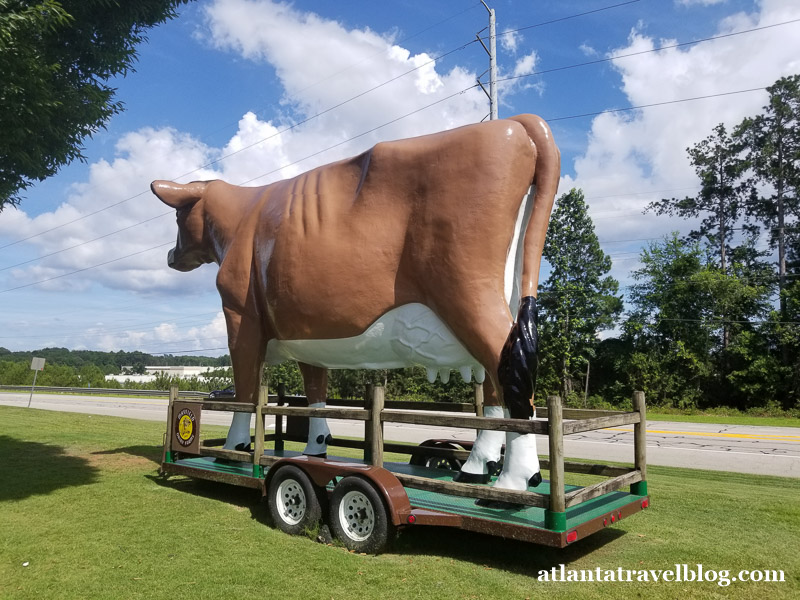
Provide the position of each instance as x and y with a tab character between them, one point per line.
37	364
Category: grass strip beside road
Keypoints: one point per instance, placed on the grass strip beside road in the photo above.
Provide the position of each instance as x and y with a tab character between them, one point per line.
82	507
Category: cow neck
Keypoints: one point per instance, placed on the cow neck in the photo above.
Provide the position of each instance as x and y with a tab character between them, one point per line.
222	220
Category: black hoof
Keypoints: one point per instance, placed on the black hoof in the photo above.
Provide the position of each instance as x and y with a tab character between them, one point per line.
498	504
535	480
320	455
463	477
243	447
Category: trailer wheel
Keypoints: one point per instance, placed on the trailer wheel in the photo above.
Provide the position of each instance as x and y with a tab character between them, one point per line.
292	501
358	516
437	462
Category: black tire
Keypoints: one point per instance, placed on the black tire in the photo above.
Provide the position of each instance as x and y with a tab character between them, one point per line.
293	501
440	462
436	462
358	516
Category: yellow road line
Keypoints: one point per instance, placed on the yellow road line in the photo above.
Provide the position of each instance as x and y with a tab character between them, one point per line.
750	436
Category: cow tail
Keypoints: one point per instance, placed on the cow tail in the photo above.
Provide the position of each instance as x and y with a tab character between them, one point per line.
519	359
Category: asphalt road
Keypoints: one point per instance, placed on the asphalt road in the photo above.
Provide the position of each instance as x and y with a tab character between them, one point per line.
735	448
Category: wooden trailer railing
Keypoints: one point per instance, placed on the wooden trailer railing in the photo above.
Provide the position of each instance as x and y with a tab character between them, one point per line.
376	411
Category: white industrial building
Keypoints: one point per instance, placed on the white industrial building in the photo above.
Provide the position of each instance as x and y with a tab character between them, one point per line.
152	372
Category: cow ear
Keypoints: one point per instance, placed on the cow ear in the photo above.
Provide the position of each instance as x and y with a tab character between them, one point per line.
178	195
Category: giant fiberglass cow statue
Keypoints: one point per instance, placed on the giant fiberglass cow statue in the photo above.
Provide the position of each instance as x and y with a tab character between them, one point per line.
422	251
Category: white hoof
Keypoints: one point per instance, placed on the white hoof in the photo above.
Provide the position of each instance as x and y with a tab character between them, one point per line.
239	432
487	449
318	433
521	462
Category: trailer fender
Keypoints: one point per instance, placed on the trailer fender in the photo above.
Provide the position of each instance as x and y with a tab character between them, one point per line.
322	471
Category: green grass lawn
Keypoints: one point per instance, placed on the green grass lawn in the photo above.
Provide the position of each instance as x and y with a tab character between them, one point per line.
81	505
741	419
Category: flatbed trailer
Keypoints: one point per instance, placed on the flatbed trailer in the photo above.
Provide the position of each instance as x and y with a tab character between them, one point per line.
366	500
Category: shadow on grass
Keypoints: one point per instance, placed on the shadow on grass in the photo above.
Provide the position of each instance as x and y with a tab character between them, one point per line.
151	453
492	552
30	468
213	490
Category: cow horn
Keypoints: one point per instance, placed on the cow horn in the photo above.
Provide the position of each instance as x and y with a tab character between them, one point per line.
178	195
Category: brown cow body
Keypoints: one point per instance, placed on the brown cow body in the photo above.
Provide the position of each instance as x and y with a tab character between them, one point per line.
430	223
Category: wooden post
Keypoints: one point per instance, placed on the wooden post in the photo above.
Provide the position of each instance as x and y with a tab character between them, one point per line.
279	419
375	426
640	444
166	454
555	516
258	442
478	399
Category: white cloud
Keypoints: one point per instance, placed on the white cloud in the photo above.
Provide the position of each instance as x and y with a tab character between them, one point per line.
510	41
645	151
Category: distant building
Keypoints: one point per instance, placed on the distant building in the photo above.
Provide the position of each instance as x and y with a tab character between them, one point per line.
152	372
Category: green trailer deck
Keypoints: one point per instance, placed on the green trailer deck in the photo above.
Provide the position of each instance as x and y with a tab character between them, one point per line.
522	522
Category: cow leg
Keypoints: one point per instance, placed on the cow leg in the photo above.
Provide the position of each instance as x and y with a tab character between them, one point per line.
508	351
488	446
517	375
248	346
483	331
315	383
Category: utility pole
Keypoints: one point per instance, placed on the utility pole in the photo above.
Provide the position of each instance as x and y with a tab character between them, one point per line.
492	52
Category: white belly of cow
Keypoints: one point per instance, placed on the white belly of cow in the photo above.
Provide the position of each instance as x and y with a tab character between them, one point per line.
405	336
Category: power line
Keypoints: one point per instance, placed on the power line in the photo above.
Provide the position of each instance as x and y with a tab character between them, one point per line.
642	106
108	262
642	52
87	241
560	19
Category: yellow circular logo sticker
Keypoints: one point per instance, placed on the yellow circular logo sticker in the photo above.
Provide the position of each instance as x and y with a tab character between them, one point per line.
186	429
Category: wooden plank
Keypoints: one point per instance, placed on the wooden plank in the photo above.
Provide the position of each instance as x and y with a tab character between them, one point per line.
279	433
258	442
470	490
173	395
604	487
518	425
556	442
329	413
579	413
592	469
223	405
478	391
640	435
457	407
601	422
376	427
227	454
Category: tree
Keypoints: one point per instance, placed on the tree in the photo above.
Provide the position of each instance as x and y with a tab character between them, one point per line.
56	59
718	163
719	166
668	326
772	140
683	306
578	299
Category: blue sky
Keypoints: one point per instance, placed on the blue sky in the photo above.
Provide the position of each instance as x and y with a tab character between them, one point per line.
83	261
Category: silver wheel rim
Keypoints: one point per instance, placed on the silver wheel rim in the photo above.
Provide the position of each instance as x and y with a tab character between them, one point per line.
357	516
291	501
